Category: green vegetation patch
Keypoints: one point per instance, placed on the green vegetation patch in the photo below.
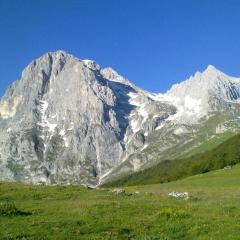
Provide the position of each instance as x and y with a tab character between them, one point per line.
9	209
174	213
226	154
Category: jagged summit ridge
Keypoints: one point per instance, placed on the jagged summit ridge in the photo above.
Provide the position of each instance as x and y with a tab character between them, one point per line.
194	98
211	79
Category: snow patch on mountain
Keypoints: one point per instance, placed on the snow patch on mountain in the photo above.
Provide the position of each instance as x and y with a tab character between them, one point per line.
140	114
43	105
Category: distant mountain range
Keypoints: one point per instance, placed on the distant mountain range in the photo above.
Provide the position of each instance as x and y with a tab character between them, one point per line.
69	121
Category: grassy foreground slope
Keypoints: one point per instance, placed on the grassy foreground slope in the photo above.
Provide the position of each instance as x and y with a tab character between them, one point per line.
73	212
227	153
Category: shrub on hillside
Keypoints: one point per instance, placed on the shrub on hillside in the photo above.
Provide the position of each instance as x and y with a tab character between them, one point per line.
8	208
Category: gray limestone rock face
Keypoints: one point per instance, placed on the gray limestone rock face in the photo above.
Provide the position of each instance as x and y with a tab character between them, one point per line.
65	121
69	121
58	123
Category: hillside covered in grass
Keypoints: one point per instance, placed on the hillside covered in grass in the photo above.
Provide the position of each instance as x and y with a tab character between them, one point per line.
227	153
74	212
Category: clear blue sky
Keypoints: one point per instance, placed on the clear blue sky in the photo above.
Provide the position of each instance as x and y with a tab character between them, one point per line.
154	43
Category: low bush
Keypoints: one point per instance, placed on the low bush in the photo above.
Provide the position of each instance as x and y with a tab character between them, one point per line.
8	208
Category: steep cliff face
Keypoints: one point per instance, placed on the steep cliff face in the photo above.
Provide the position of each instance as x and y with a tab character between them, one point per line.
70	121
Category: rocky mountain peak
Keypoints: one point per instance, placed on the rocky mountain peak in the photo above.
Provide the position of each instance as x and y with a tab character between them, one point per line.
70	121
212	70
91	64
73	119
112	75
203	93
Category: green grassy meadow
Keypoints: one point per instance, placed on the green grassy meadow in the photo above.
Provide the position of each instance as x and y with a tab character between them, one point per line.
74	212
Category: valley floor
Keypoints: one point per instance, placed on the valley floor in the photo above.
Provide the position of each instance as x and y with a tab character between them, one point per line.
73	212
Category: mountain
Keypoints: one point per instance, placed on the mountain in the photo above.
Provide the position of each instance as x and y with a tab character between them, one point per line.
207	113
203	93
70	121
